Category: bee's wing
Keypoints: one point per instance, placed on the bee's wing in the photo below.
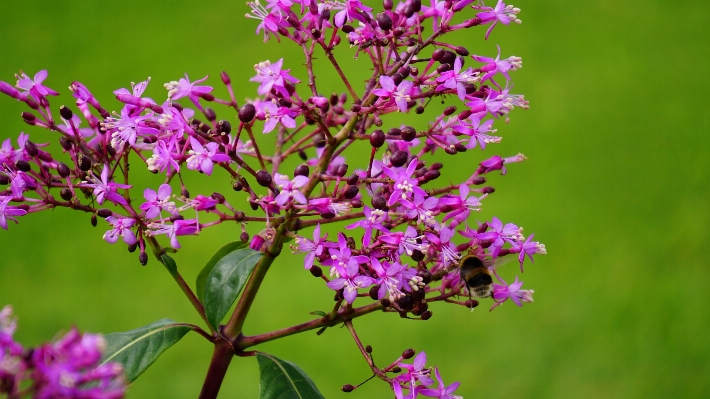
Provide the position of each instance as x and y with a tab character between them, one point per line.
493	264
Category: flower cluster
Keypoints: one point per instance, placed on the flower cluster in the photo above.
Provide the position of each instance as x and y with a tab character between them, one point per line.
405	235
67	368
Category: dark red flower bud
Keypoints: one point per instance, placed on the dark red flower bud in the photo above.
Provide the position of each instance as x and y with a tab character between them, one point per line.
482	228
327	215
263	178
405	302
368	348
379	202
384	21
31	149
478	180
65	194
94	221
316	33
408	11
225	78
351	192
399	158
218	197
404	71
143	258
237	186
443	68
408	133
302	170
65	112
63	169
450	150
342	170
437	54
353	179
417	255
316	271
175	218
319	140
84	163
247	113
426	315
210	115
394	132
471	303
448	111
417	5
448	57
385	302
4	180
347	29
356	108
104	213
462	51
347	388
377	138
28	116
132	248
184	193
408	354
414	71
488	190
419	110
397	78
387	4
374	291
244	237
224	127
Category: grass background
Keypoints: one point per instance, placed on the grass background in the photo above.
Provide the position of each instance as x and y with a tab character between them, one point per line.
616	187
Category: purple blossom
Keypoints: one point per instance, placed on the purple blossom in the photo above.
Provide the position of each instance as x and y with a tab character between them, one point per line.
271	76
496	163
462	205
157	202
500	13
127	128
34	86
122	228
443	244
415	372
10	155
373	221
494	66
104	189
19	181
8	212
327	205
442	391
502	293
312	248
275	114
202	158
499	234
290	189
342	262
404	185
476	131
270	21
162	158
83	95
395	279
400	94
422	209
406	242
178	228
529	248
351	10
455	79
185	88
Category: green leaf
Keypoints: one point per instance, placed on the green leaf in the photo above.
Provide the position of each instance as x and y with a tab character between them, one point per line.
281	379
225	281
137	349
318	313
169	264
221	253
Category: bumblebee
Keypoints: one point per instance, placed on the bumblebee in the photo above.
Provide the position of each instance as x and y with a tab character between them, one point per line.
477	276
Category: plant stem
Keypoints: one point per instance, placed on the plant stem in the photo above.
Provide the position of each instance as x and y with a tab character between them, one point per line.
221	357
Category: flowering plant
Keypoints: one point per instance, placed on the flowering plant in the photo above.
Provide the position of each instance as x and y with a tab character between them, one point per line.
406	240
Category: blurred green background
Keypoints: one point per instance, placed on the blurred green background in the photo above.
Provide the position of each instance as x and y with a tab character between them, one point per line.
616	187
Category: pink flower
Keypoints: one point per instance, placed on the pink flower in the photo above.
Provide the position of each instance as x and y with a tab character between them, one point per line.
502	293
202	158
9	212
290	189
35	86
185	88
271	76
400	94
500	13
122	228
156	202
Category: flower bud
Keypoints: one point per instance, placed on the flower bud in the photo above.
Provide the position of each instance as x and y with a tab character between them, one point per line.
404	71
417	255
175	218
460	147
448	111
379	202
342	170
23	166
224	127
437	54
104	213
244	237
432	175
316	271
4	180
237	186
347	388
374	291
426	315
408	10
408	354
84	163
143	258
225	78
408	133
478	180
385	302
353	179
394	132
419	110
448	57
384	21
247	113
368	348
63	170
488	190
443	68
184	193
399	158
218	197
65	194
327	215
347	29
405	302
377	138
319	140
28	116
472	303
31	148
397	78
451	150
65	112
302	170
351	192
263	178
94	221
356	108
210	114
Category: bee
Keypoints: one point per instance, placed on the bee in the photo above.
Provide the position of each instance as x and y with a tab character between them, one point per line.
477	276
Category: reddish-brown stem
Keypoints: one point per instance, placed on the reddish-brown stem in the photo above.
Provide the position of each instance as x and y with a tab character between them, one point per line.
221	357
